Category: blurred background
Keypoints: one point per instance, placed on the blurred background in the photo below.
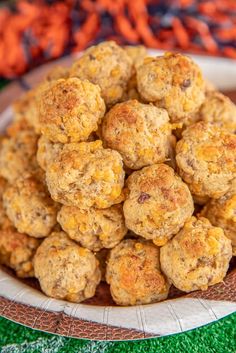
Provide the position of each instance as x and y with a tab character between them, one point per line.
37	31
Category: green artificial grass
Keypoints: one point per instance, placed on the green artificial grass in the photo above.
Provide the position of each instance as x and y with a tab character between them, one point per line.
219	337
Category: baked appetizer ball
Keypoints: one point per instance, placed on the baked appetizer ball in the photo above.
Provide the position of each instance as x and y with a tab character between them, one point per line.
93	228
106	65
57	72
206	159
47	151
158	203
173	82
137	54
132	91
26	108
140	132
30	208
69	110
133	272
86	175
197	257
222	213
65	270
18	155
17	251
16	126
218	109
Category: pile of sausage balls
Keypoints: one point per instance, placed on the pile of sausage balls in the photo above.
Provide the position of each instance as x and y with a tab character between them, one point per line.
120	168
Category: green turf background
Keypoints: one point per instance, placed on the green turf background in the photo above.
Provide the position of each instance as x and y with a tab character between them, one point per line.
219	337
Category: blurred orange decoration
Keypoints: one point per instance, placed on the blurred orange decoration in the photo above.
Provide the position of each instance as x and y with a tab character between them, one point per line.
37	31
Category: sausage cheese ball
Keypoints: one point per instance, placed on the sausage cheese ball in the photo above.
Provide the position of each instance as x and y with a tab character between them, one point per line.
47	151
18	155
197	257
69	110
86	175
57	72
222	213
17	251
137	54
206	159
17	126
65	270
132	91
25	108
173	82
218	109
30	208
106	65
158	203
133	272
140	132
93	228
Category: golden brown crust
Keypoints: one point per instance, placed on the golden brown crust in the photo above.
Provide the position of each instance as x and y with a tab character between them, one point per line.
65	270
173	82
137	54
86	175
30	208
139	132
57	72
16	126
47	151
197	257
222	213
18	155
158	203
93	228
106	65
133	272
70	110
26	107
218	109
17	251
206	159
